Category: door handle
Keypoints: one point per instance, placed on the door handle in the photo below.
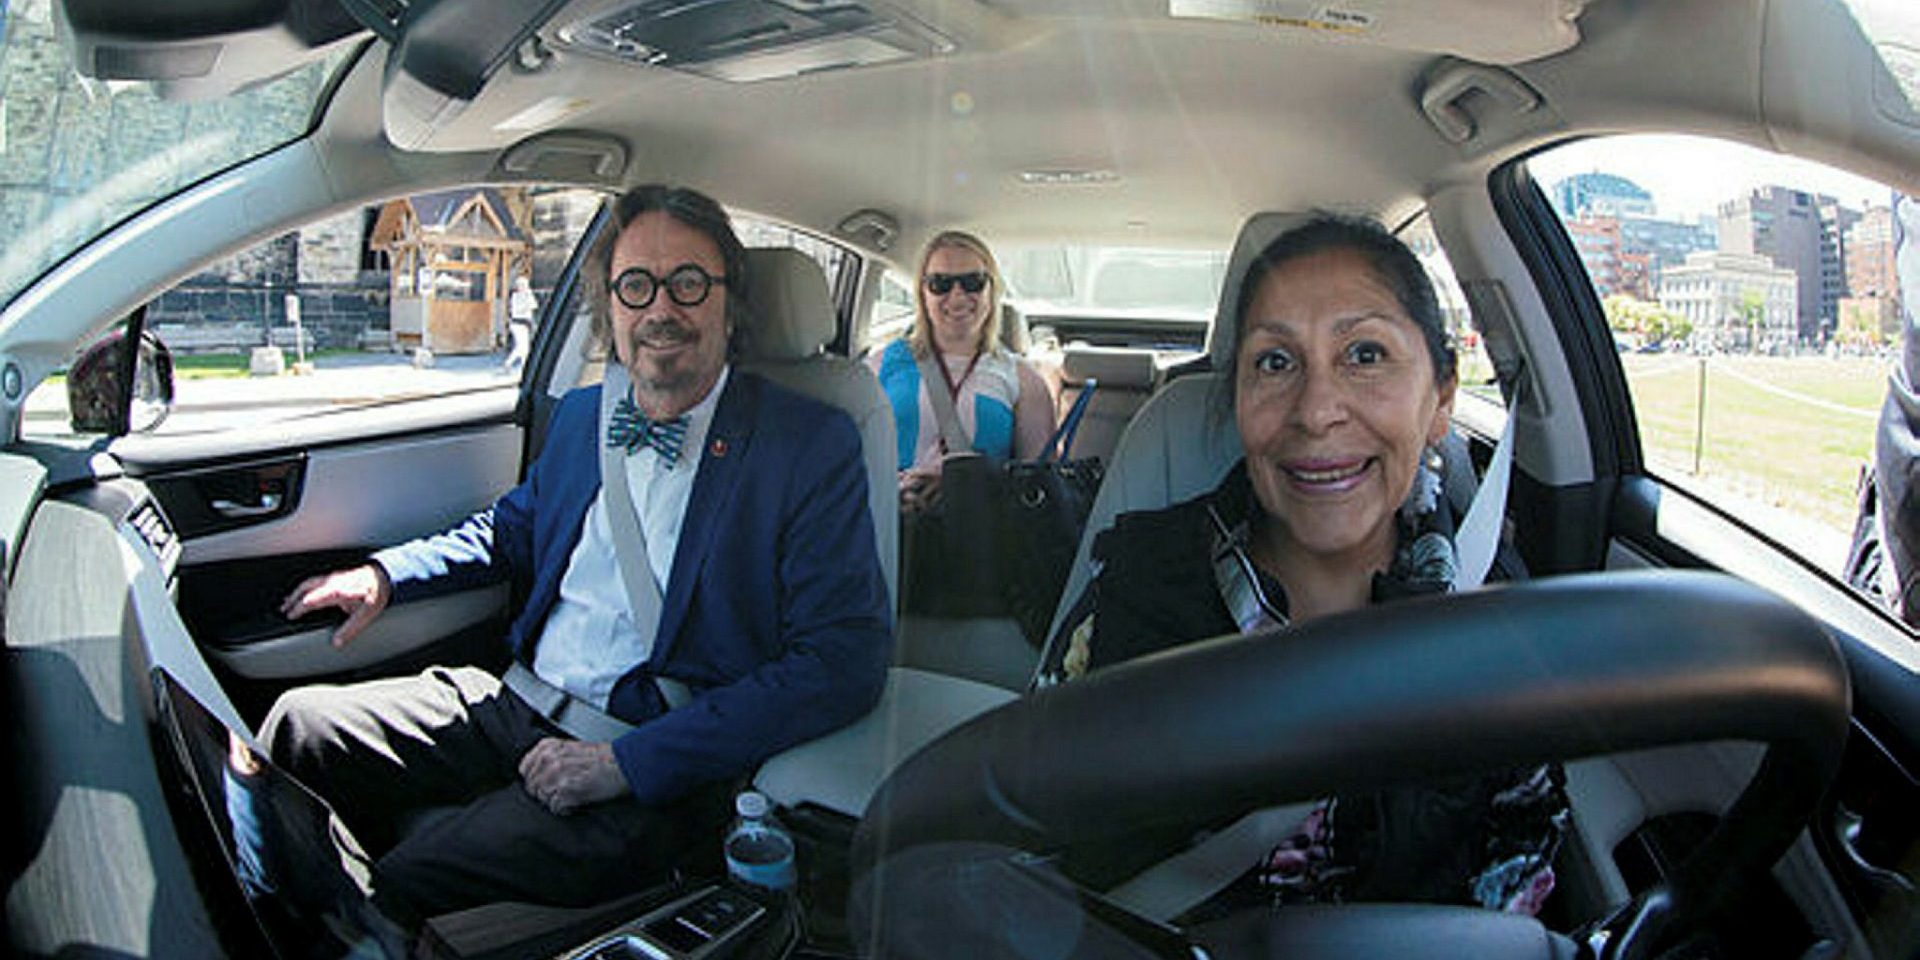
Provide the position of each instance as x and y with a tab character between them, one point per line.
234	510
1847	827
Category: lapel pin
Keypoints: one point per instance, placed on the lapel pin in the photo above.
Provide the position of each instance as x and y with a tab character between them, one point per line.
718	447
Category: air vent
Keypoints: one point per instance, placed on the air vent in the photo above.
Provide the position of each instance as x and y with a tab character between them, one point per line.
153	529
747	40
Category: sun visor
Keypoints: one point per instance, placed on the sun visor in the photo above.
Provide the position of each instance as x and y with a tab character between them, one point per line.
447	51
199	49
1487	31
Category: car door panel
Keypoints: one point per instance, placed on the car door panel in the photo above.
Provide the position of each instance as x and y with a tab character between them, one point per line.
324	505
308	651
1852	875
1635	813
365	494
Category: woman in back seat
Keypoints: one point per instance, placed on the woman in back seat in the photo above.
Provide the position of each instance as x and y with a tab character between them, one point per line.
1342	386
953	357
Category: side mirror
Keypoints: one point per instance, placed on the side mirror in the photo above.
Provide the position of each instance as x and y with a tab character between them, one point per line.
121	385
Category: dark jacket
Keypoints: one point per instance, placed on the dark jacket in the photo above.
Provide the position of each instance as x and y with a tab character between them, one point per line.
1156	589
776	612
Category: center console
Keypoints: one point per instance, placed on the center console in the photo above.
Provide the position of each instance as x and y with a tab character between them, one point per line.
712	921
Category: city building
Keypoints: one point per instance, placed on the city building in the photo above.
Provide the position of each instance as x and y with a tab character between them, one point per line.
1735	301
1835	221
1665	242
1622	240
1601	194
1870	267
1800	232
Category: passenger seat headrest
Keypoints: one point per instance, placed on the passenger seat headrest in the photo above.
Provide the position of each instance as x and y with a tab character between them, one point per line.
788	299
1115	367
1013	330
1259	230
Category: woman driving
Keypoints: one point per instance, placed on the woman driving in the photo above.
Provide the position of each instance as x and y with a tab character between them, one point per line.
1342	385
952	359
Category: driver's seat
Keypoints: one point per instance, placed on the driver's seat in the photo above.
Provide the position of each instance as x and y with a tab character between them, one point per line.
1182	442
1179	446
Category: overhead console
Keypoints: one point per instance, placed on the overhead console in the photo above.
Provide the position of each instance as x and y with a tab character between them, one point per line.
446	52
747	40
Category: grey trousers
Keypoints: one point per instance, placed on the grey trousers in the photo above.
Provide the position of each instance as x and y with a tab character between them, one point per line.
424	771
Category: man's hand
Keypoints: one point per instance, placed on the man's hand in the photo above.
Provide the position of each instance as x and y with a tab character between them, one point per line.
362	592
565	775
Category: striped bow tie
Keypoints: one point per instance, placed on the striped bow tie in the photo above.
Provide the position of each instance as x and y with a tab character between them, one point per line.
630	428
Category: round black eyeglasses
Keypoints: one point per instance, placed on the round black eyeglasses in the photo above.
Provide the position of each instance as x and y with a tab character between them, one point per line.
688	285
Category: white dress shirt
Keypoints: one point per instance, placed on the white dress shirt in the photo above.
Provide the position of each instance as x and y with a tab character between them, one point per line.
590	640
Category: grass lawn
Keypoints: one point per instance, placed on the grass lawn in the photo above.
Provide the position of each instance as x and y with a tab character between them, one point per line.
1791	432
206	366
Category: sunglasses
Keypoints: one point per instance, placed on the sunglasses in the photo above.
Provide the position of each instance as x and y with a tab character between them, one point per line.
688	286
939	284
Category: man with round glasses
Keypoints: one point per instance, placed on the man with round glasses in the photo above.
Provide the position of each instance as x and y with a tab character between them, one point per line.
696	587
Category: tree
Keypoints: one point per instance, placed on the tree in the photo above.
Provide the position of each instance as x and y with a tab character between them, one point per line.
1752	312
1860	324
1649	322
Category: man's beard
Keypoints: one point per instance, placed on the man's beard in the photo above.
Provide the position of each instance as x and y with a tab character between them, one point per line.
676	374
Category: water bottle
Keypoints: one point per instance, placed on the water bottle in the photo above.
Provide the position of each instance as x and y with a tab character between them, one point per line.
759	851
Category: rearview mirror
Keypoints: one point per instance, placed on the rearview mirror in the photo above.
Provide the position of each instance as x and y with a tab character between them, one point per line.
116	388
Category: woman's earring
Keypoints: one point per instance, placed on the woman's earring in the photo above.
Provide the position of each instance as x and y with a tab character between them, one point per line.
1424	498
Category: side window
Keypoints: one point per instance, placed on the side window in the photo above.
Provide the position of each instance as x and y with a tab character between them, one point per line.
417	297
1475	369
892	312
1755	308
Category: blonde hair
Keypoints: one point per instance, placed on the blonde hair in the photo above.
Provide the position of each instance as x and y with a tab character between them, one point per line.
921	338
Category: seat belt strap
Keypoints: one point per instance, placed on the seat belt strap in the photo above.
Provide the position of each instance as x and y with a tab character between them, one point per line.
629	538
951	433
1478	537
580	719
1186	880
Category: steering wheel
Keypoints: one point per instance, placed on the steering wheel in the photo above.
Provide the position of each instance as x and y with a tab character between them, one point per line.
1515	675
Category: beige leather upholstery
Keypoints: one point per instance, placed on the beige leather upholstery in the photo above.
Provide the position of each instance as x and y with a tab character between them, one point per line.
1013	330
793	320
1178	446
1259	230
1125	378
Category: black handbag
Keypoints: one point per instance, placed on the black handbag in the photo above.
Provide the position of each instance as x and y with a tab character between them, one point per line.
1003	536
1042	514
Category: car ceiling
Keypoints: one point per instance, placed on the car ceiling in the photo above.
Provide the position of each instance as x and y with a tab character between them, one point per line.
1202	121
1199	121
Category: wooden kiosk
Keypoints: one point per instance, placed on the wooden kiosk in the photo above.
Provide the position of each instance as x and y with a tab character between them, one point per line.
452	256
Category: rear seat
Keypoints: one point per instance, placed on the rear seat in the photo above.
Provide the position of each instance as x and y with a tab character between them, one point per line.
1125	378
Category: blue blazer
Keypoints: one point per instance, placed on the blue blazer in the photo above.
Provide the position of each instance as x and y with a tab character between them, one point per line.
775	614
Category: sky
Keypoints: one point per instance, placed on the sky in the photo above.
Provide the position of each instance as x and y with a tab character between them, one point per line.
1690	176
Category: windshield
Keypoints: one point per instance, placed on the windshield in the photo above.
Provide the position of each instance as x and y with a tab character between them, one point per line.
1163	283
77	155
